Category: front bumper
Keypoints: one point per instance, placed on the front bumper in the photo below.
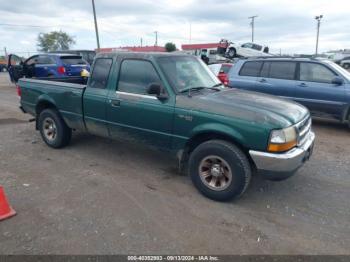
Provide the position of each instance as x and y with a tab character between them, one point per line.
280	166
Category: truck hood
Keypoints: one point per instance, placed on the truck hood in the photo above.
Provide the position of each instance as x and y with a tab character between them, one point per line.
246	105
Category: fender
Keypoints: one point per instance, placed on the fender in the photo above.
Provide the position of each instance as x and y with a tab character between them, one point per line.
44	98
218	129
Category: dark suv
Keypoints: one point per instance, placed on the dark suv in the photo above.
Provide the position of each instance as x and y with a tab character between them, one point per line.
322	86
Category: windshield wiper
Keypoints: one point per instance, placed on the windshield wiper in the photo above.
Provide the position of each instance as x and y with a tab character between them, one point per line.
217	85
192	89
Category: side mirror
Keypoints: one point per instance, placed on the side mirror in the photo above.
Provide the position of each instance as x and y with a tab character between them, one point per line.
337	81
157	90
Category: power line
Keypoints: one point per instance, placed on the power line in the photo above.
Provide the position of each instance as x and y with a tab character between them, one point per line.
18	25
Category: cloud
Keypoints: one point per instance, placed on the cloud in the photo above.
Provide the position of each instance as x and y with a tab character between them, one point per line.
281	24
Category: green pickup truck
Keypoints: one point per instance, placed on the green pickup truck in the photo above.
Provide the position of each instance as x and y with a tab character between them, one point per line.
220	136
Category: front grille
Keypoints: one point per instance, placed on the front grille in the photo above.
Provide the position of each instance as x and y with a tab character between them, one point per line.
304	128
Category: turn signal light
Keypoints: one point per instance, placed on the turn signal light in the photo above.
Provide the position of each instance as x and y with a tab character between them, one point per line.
281	147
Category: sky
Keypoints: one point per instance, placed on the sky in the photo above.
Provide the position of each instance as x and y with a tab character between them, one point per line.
286	26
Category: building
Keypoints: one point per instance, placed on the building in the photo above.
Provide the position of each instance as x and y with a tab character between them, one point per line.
192	47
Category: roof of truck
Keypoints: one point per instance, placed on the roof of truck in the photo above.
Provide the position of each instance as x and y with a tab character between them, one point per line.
139	54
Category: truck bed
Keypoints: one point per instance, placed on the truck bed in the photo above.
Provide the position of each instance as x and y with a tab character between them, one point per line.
65	96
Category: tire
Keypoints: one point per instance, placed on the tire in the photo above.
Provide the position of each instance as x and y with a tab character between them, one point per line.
231	53
219	160
346	66
53	129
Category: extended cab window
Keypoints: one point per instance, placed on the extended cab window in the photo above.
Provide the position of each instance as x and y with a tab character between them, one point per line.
282	70
312	72
136	76
100	73
250	69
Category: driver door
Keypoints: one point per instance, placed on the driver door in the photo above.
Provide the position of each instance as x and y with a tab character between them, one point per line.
134	114
316	91
15	67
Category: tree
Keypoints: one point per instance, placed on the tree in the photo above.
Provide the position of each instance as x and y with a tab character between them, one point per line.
170	47
54	41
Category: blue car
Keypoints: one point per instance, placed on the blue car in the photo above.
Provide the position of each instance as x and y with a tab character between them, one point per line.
320	85
46	65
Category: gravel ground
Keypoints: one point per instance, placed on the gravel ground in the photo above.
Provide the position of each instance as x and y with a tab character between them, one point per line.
106	197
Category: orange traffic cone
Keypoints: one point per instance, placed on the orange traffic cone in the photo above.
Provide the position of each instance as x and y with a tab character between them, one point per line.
6	210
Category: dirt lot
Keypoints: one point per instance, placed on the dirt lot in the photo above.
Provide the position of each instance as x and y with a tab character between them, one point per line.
104	197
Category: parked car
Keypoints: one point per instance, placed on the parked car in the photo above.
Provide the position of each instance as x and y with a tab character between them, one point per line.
3	64
245	50
320	85
221	71
3	67
345	62
46	65
174	102
208	55
338	56
87	55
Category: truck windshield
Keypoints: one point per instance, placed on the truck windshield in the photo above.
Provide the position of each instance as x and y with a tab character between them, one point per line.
187	72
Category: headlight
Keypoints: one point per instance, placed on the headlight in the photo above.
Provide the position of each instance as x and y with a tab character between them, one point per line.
283	139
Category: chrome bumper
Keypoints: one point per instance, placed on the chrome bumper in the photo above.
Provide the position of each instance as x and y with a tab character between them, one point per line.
287	162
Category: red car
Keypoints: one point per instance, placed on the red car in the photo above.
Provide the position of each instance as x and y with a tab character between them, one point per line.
221	71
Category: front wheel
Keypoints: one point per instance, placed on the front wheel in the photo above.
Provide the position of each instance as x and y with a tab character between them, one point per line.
53	129
232	53
219	170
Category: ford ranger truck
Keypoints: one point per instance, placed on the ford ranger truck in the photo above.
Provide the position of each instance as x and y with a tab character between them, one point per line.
174	102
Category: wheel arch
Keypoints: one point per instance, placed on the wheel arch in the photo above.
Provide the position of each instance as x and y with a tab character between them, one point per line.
43	103
205	135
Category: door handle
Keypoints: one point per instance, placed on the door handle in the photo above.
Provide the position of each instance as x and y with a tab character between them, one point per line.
262	80
114	102
302	84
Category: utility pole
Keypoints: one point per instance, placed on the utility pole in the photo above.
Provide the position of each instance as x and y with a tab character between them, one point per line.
318	19
190	32
156	32
5	51
252	24
96	28
141	42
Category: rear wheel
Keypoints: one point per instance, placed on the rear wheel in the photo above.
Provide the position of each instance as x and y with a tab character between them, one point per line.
219	170
53	129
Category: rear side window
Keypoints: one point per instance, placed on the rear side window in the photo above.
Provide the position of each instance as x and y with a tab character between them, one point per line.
282	70
226	68
45	60
312	72
136	76
250	69
100	73
73	60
